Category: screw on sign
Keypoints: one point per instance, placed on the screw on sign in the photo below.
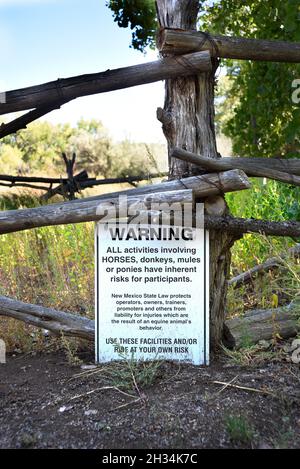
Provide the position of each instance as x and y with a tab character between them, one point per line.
2	351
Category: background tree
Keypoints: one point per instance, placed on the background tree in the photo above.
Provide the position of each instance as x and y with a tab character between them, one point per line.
140	17
263	121
38	150
39	147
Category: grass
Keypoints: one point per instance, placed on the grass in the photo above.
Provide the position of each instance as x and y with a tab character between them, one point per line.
239	429
253	355
273	201
270	289
70	346
53	266
131	374
127	375
284	439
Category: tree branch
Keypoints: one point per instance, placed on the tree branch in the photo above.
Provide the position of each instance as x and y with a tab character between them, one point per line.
254	326
57	322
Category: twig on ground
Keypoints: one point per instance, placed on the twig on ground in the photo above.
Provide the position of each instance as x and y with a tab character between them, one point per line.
87	373
127	404
103	388
244	388
227	384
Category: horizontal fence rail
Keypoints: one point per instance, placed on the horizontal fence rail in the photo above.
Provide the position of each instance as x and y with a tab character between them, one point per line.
258	167
175	41
78	211
67	89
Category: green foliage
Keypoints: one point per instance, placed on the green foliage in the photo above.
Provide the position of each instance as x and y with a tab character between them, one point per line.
257	111
239	429
10	159
93	148
38	150
262	121
53	266
37	147
50	265
267	290
273	201
24	199
270	200
140	16
225	103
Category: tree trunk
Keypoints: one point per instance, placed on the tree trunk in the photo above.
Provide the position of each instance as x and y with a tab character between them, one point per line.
188	123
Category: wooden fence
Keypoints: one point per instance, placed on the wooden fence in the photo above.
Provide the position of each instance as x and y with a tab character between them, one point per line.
184	53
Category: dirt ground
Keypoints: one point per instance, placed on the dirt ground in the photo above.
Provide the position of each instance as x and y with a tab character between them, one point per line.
45	404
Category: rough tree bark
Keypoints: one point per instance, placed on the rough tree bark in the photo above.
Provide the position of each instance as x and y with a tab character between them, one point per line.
188	122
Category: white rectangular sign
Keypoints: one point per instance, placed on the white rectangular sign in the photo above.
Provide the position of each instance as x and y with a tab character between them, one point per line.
152	296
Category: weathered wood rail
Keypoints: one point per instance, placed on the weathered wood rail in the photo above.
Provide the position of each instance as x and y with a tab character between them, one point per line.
258	167
178	190
251	225
66	89
22	121
176	41
80	182
61	214
83	210
263	324
58	322
93	182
